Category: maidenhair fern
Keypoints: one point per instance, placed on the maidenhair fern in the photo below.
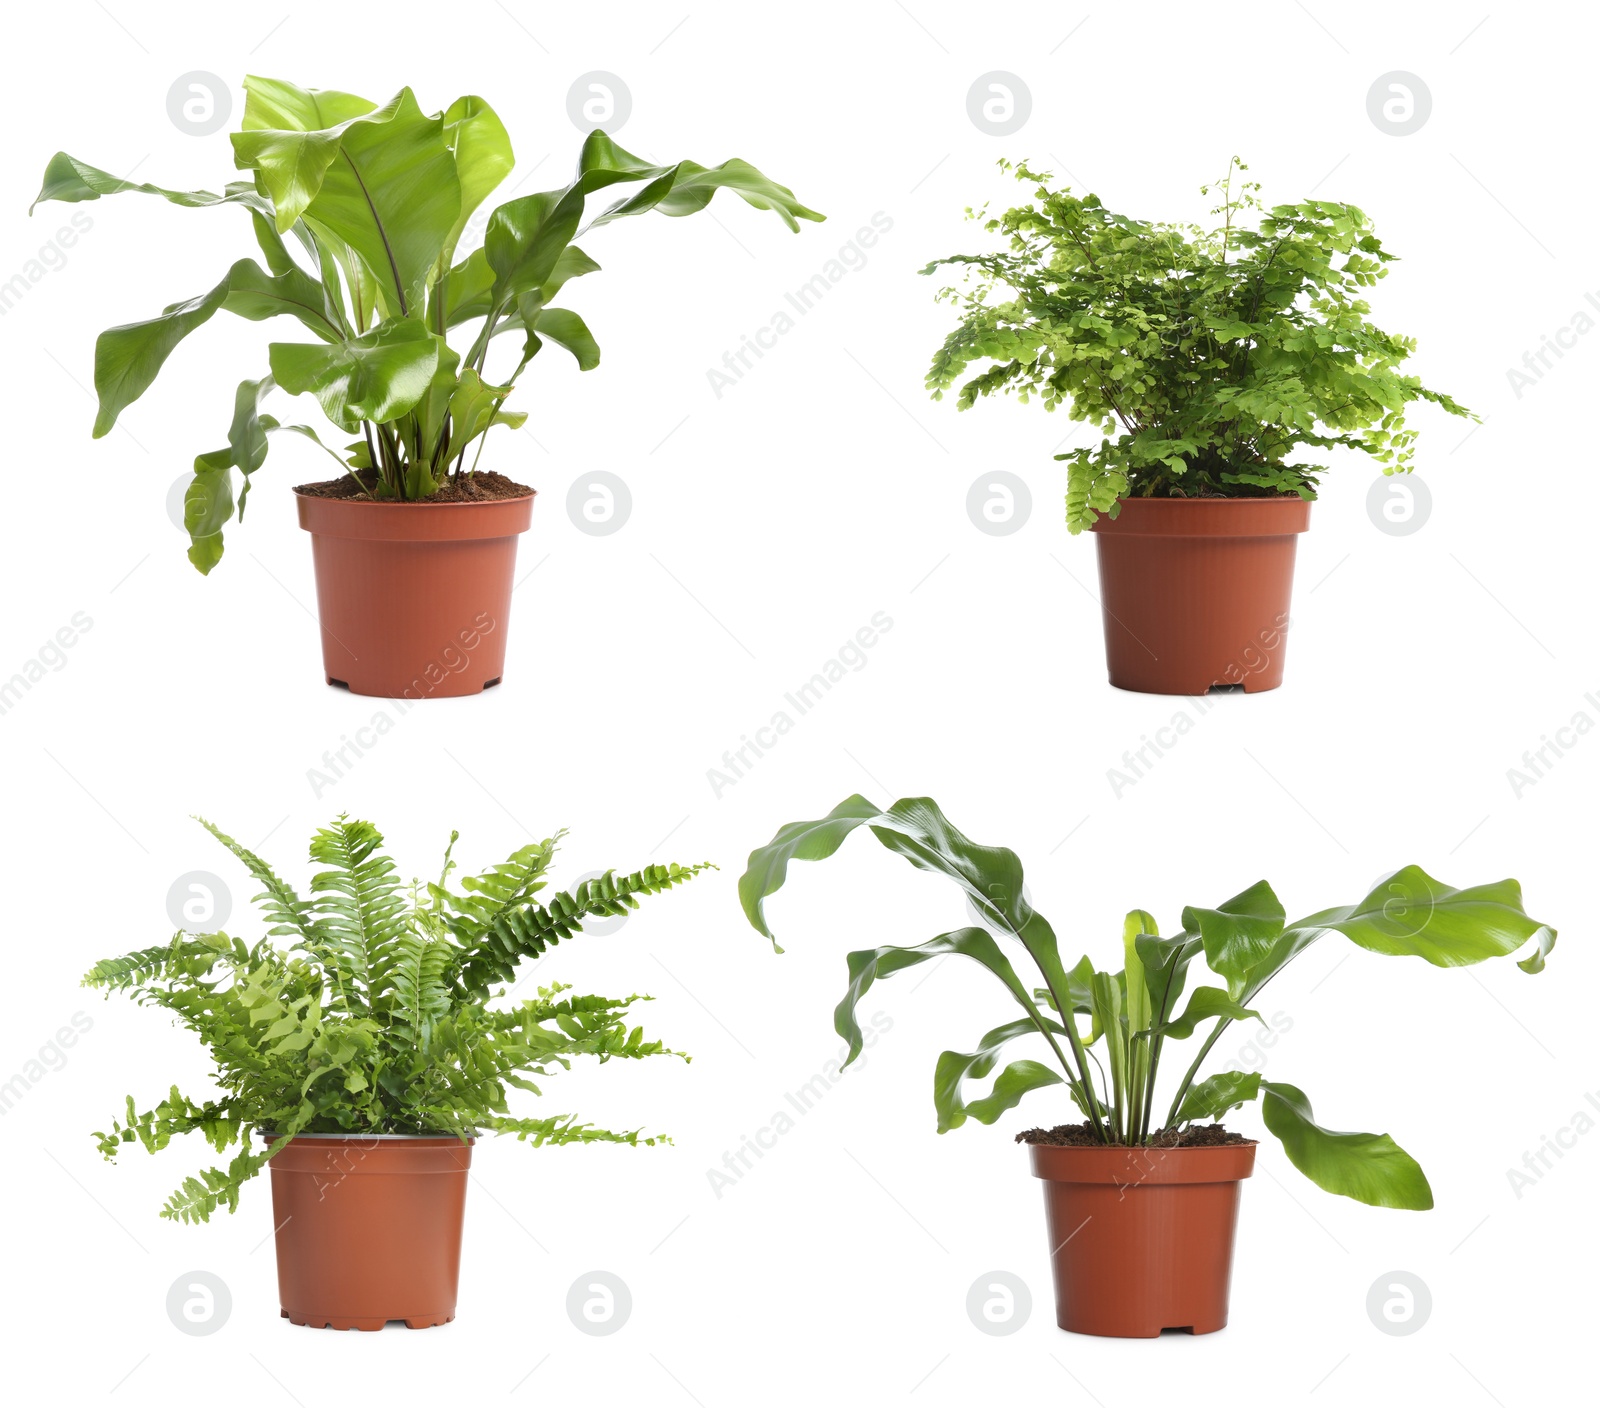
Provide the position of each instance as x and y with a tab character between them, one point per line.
1205	358
381	1012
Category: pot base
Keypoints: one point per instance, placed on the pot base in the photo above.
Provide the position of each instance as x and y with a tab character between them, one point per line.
459	689
345	1322
1153	1332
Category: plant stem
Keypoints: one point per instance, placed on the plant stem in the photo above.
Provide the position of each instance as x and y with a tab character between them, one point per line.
1188	1078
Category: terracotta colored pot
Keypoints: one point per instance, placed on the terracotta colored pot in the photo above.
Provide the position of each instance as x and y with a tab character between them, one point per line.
369	1228
1141	1240
1195	592
414	599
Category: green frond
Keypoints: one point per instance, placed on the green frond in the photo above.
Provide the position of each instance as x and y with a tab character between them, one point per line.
565	1129
184	957
526	932
288	912
497	891
200	1194
359	908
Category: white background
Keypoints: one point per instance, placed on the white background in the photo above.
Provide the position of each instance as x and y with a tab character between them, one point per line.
767	527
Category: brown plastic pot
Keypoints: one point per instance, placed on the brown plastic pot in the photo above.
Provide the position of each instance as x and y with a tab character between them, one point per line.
414	599
1141	1240
1195	592
369	1228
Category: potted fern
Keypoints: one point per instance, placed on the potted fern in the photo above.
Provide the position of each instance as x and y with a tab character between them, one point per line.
360	213
1207	359
1141	1208
367	1052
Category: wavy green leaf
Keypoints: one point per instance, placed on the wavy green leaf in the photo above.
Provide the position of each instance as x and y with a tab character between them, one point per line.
1238	932
1410	914
1371	1168
1211	1099
68	179
1204	1004
567	329
378	376
866	966
956	1067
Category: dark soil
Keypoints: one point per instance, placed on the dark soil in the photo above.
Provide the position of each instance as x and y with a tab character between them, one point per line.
1196	1136
458	489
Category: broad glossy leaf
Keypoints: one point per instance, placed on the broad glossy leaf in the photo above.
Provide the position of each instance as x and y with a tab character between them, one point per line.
1214	1097
208	503
915	828
207	508
1410	914
377	376
471	283
68	179
1204	1004
1371	1168
292	166
128	358
525	238
567	329
1016	1081
393	196
275	103
868	965
571	263
682	189
257	295
383	183
471	406
954	1067
1137	924
1238	933
1080	996
435	405
273	249
1108	1015
464	291
1166	966
482	150
291	135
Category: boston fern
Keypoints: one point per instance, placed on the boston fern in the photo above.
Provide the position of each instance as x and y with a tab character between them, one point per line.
377	201
1211	356
378	1014
1135	1011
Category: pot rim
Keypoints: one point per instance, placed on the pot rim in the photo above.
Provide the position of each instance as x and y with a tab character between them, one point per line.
1139	1148
414	503
1276	516
355	1136
1131	1166
1213	499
